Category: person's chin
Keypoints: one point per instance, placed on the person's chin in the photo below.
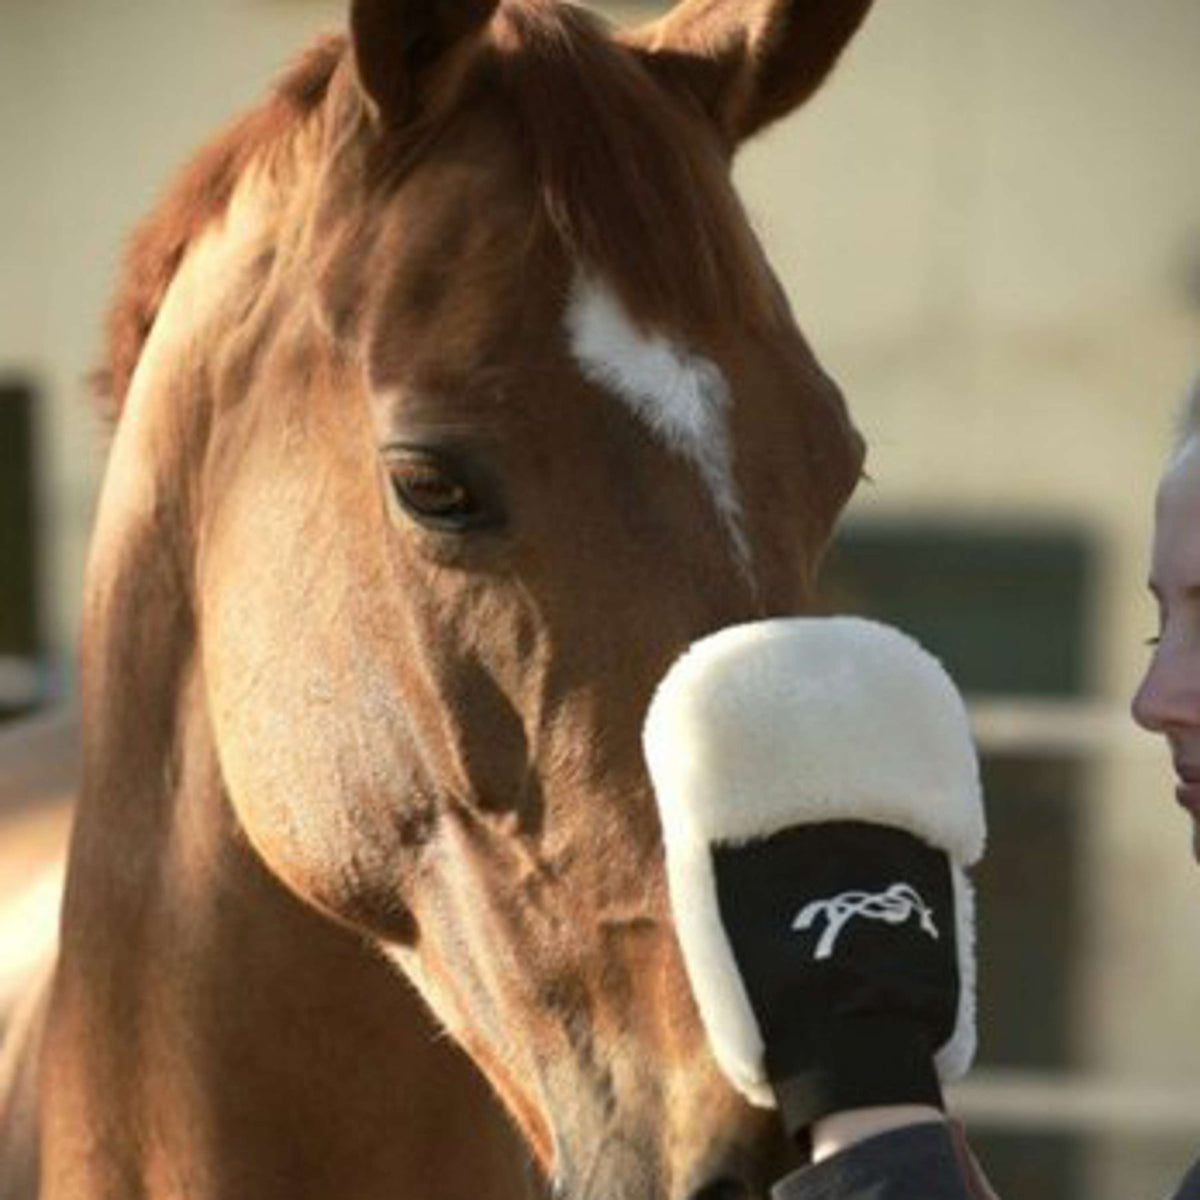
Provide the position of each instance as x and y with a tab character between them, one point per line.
1187	793
1190	802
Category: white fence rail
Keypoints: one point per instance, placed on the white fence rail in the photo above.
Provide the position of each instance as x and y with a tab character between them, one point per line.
23	683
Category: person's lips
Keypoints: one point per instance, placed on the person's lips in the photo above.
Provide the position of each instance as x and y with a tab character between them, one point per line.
1187	791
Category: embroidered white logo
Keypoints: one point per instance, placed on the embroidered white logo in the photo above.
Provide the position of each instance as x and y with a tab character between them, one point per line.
894	906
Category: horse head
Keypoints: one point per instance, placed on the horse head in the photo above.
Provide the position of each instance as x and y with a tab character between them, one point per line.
461	400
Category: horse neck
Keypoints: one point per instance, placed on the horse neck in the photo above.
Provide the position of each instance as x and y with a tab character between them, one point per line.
216	1038
209	1034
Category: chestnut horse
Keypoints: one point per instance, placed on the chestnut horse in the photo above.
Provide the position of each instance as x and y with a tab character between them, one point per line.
453	398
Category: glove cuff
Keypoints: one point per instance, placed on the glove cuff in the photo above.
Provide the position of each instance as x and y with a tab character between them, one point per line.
861	1061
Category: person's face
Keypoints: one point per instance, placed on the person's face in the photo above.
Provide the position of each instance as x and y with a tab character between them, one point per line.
1168	701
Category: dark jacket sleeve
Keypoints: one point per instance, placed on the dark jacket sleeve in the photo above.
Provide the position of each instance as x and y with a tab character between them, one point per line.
1190	1189
916	1163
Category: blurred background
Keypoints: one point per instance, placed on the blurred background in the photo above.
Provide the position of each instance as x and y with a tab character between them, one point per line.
989	225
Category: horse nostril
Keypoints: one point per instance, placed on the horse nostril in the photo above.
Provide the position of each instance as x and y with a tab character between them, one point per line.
723	1189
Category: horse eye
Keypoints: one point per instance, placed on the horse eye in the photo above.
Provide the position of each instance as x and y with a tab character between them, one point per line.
432	492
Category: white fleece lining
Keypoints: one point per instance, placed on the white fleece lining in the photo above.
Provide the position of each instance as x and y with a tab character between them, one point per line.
716	982
769	724
953	1059
779	723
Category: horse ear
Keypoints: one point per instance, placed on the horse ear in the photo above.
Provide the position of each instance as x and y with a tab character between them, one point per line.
749	62
401	47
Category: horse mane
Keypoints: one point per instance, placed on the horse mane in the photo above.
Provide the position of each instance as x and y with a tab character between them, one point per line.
628	185
200	195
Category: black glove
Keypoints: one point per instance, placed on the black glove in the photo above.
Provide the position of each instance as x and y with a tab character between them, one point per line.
819	794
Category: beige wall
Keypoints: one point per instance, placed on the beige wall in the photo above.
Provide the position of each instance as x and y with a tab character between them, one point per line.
983	224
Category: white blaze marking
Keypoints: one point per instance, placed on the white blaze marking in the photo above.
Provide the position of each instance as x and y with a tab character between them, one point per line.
681	396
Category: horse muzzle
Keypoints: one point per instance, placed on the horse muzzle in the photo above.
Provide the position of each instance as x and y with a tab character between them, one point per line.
712	1146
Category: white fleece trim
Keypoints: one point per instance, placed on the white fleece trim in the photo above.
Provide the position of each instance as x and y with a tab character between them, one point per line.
717	984
953	1059
777	723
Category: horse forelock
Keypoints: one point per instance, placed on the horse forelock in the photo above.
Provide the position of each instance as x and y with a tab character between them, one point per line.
634	186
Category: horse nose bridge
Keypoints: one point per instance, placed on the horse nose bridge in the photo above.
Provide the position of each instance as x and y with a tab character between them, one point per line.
667	1135
697	589
692	619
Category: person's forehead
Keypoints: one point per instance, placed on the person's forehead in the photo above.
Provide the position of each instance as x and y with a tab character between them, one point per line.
1176	552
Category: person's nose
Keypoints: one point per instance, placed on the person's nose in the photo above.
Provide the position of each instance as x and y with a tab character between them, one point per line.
1159	703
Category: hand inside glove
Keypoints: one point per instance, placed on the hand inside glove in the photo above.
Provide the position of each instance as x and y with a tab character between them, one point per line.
819	796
